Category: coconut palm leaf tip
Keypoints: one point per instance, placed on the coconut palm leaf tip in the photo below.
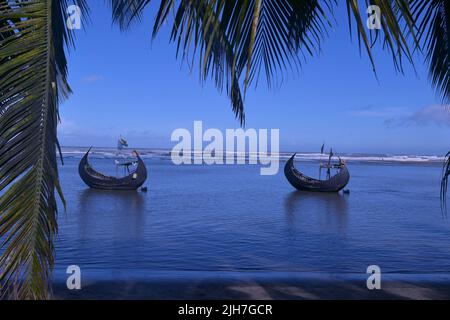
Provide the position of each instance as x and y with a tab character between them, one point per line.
444	183
33	79
433	21
236	42
244	41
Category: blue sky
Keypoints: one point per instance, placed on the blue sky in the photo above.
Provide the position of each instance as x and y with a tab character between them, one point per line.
126	84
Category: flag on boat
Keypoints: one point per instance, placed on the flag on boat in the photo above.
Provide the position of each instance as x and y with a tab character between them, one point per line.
122	143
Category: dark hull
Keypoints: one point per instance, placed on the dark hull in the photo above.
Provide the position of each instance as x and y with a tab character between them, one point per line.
304	183
97	180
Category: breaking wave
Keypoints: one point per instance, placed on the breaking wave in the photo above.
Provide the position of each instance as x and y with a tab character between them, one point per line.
78	152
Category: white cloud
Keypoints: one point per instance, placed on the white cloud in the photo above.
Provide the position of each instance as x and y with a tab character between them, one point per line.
373	112
431	115
93	78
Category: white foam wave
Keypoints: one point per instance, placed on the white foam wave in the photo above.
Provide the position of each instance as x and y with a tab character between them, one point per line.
78	152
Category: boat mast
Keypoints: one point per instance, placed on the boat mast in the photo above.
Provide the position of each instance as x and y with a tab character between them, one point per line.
121	144
329	164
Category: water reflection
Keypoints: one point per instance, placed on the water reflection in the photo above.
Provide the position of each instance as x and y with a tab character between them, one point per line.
119	212
328	209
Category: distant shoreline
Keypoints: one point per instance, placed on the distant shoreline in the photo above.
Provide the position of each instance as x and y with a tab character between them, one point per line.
147	153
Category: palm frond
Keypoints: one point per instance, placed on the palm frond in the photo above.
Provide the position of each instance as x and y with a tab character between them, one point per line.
397	24
237	41
267	37
197	23
444	183
270	37
124	12
194	21
33	79
433	19
434	34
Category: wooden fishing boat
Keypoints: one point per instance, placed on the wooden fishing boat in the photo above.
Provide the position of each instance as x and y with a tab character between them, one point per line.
304	183
97	180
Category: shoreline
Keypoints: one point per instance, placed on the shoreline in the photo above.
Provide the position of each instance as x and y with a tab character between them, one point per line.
283	156
251	290
255	286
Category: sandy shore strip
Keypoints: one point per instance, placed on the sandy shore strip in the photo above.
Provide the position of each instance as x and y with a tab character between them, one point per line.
258	289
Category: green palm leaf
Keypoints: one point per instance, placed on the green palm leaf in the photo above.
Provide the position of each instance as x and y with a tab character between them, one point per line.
397	24
444	182
33	71
433	18
195	22
237	40
243	39
434	33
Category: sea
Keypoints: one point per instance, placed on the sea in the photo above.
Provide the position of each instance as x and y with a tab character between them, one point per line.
201	221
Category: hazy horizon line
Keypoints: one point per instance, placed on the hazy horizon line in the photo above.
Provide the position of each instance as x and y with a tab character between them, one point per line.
281	151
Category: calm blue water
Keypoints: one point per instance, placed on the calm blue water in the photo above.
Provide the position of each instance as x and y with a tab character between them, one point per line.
229	218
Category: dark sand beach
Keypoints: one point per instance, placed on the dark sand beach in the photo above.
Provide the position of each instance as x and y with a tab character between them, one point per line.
288	289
